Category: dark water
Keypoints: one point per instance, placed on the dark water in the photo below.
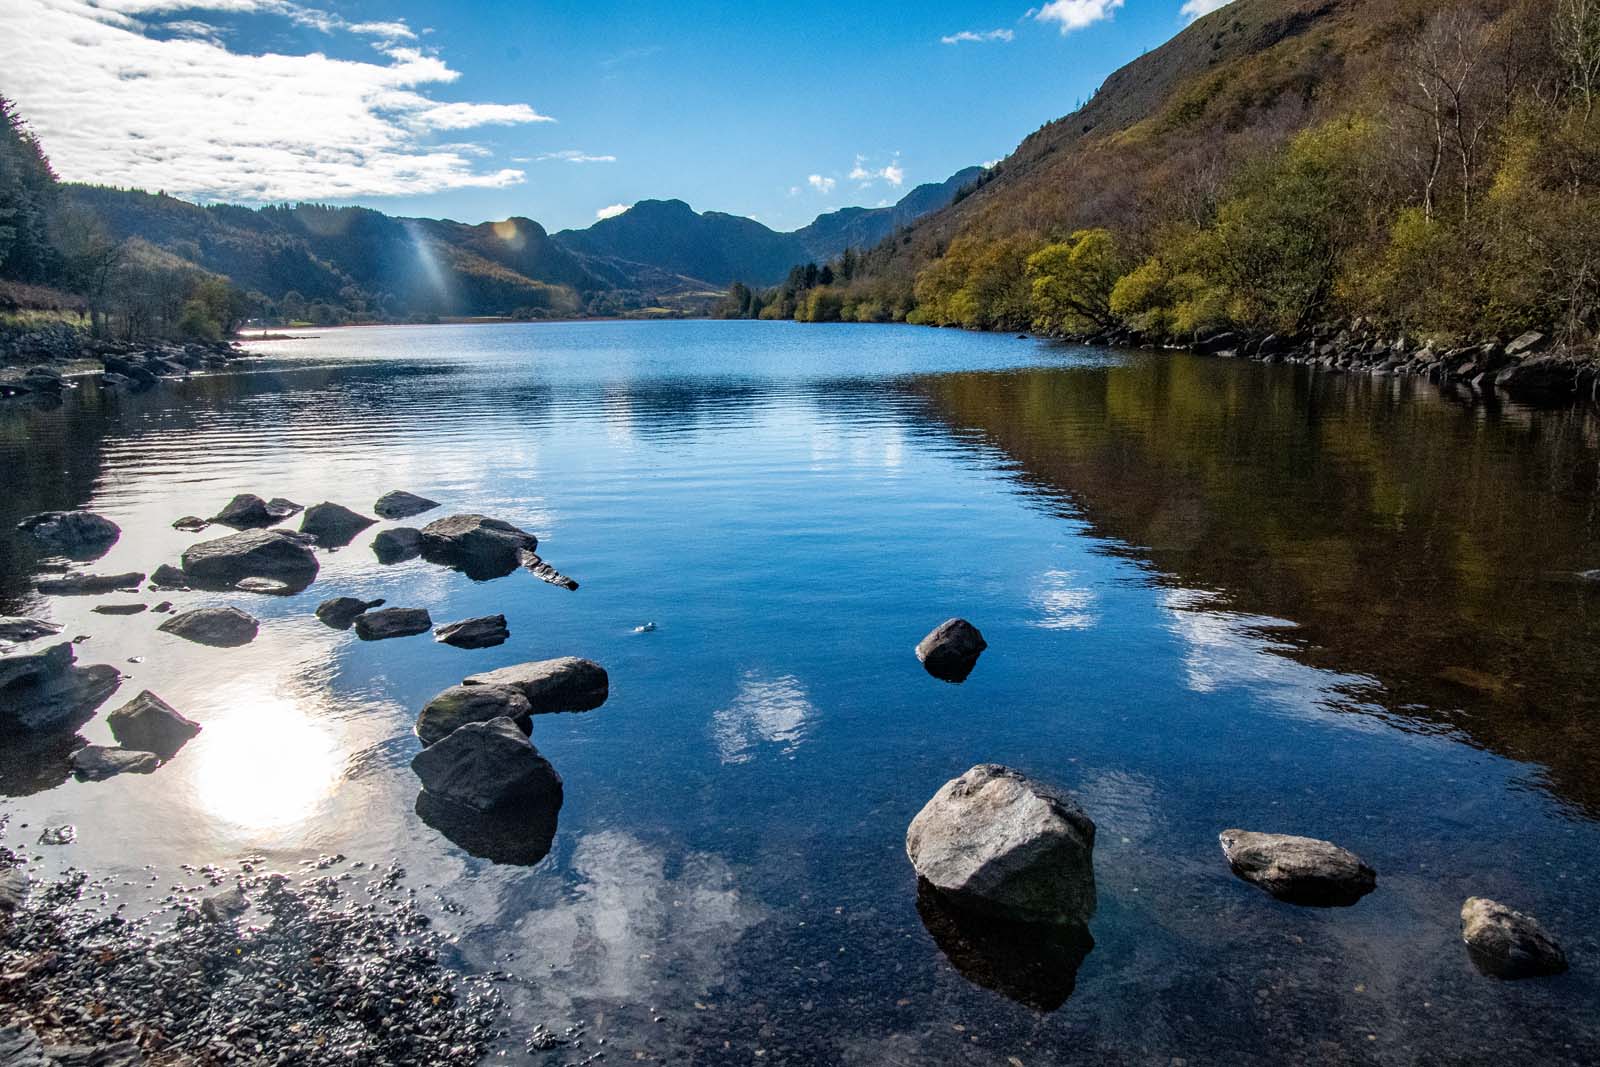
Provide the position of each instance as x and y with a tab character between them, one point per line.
1215	594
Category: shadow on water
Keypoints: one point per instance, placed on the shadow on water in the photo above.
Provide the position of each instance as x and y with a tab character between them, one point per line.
519	838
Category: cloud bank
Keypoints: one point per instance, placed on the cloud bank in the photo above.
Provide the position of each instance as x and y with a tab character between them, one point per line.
1077	14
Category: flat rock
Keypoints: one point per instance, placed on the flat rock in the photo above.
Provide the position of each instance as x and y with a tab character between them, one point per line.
531	562
480	547
486	632
551	685
951	651
191	523
488	766
1299	870
341	611
1508	944
224	562
999	843
19	628
78	534
397	545
217	627
119	609
95	763
461	704
13	891
266	586
399	504
385	623
89	584
333	525
149	724
44	691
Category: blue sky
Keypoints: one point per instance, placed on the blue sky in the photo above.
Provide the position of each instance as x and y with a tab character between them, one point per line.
559	112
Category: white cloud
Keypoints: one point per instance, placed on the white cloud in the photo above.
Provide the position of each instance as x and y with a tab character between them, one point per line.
1193	9
388	30
990	164
978	37
115	105
570	155
891	172
1076	14
611	212
821	184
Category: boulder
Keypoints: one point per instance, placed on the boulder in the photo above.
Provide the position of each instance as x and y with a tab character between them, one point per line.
249	512
341	611
95	763
551	685
399	504
397	545
217	627
1508	944
283	507
1541	377
480	547
226	561
530	562
392	622
333	525
265	586
474	633
17	628
998	843
32	666
13	892
149	724
1299	870
79	534
167	576
488	766
84	584
1531	341
223	906
951	651
461	704
519	834
44	691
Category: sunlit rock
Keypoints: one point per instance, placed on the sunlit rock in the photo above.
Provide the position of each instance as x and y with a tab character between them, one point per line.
461	704
485	632
341	611
333	525
16	628
217	627
1299	870
397	545
399	504
223	562
480	547
1508	944
95	763
44	691
531	562
83	584
392	622
487	766
565	684
248	511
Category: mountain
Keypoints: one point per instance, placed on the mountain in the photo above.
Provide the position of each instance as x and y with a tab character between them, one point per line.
861	227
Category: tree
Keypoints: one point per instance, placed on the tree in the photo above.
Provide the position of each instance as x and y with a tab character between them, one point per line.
1576	26
28	195
1072	282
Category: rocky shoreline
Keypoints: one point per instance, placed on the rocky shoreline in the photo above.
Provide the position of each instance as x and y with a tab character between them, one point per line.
39	363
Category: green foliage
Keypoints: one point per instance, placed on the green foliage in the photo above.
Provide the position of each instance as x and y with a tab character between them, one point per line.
27	198
1072	282
979	285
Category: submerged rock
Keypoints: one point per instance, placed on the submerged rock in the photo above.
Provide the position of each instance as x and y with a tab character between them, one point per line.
397	545
119	609
519	835
530	562
399	504
217	627
997	842
333	525
551	685
248	512
392	622
486	632
149	724
78	534
951	651
226	561
95	763
1508	944
341	611
191	523
1299	870
480	547
461	704
18	628
266	586
488	766
42	692
89	584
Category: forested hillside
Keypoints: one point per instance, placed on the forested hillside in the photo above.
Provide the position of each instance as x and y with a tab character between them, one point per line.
1430	165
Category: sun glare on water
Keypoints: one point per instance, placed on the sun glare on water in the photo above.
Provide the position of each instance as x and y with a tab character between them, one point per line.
265	768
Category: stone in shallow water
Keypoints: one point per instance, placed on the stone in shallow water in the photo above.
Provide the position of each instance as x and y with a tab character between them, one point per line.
267	586
89	584
248	511
480	547
518	835
397	545
16	628
191	523
951	651
95	763
119	609
78	534
392	622
488	766
1299	870
565	684
997	842
536	566
217	627
149	724
224	562
461	704
486	632
1508	944
167	576
13	891
333	525
341	611
399	504
43	691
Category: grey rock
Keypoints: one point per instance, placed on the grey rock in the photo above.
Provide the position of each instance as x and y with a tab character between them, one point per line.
95	763
167	576
249	512
397	545
84	584
118	1054
119	609
951	651
996	842
333	525
266	586
341	611
486	632
551	685
1531	341
530	562
480	547
79	534
13	891
226	561
149	724
191	523
35	666
392	622
282	507
217	627
18	628
399	504
226	905
461	704
21	1048
44	691
1299	870
487	766
1508	944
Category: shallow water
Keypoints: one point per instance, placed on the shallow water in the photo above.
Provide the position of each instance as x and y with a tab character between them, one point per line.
1215	594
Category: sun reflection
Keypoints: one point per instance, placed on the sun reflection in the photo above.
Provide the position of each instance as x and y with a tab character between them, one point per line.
264	767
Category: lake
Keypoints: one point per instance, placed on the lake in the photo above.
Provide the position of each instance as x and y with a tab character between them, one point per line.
1216	594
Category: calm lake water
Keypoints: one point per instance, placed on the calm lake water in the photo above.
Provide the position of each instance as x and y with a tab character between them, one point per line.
1216	594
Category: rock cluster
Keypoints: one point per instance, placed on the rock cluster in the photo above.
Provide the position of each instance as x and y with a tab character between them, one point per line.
246	511
42	692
